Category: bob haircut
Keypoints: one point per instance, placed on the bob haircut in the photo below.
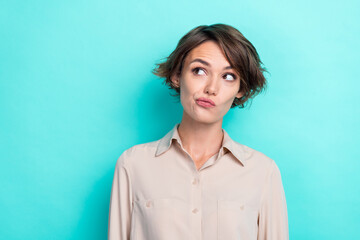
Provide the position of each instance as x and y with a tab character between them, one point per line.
239	52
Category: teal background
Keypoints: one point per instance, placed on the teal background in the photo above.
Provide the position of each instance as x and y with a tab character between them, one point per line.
76	90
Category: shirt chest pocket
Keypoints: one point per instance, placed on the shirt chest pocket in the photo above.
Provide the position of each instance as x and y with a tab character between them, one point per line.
236	220
160	219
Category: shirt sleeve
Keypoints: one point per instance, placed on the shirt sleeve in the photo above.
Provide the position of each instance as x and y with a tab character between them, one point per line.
273	219
120	204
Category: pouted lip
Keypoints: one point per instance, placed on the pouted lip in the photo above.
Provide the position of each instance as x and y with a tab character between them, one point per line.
206	100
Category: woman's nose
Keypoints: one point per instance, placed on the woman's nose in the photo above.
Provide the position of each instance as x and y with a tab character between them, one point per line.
212	86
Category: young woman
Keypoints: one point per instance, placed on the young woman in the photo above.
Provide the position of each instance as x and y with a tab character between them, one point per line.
196	182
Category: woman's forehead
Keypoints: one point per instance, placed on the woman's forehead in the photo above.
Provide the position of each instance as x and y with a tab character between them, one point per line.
210	55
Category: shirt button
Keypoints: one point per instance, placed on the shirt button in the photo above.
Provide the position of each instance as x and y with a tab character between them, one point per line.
148	203
194	181
195	210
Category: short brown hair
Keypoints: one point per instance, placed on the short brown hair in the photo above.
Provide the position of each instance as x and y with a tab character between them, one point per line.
239	52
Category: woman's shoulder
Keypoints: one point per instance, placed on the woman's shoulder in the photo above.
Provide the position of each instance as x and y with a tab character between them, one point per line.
253	156
138	151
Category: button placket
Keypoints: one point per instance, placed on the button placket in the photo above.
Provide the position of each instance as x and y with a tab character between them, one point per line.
196	195
196	209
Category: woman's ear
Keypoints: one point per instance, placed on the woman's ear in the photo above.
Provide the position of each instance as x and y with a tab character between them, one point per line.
175	80
239	94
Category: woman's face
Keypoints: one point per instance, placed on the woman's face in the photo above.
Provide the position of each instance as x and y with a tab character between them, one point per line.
207	74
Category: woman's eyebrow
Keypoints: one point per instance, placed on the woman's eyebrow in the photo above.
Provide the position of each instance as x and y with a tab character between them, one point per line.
206	63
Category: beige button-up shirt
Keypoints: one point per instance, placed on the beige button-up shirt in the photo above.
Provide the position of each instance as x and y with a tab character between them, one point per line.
159	194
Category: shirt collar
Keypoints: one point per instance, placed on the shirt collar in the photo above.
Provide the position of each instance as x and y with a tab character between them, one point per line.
235	148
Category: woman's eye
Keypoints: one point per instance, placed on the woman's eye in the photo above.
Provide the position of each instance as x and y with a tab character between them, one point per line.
195	70
232	76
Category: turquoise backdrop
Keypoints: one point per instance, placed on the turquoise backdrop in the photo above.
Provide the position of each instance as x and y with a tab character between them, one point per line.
76	90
